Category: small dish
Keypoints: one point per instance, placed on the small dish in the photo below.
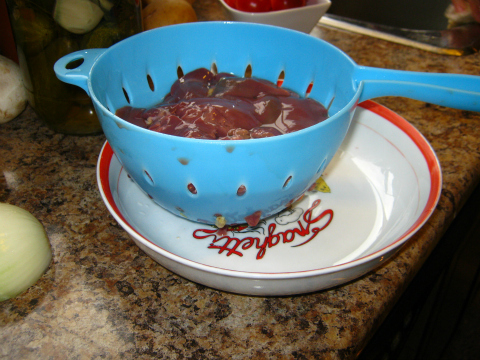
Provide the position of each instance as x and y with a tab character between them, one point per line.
380	188
301	19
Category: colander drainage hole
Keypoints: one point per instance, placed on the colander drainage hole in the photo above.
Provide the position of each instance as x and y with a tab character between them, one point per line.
287	182
151	85
214	68
108	104
148	177
126	95
241	190
280	78
309	89
192	188
179	72
248	71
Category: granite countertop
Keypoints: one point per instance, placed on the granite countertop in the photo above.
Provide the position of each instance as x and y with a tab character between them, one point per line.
102	297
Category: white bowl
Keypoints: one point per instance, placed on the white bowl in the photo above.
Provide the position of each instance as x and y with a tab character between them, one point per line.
383	185
301	19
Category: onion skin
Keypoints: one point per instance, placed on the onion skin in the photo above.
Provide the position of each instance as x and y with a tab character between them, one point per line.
25	252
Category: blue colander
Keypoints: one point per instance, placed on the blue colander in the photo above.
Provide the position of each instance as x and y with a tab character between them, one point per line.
200	179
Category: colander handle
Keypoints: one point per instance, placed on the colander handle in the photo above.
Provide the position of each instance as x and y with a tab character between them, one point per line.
75	67
451	90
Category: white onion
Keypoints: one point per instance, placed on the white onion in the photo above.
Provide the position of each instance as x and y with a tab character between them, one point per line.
25	252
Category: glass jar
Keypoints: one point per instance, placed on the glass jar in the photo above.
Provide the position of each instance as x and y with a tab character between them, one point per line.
46	30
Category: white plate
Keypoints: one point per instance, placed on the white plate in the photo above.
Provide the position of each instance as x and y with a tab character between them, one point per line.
382	186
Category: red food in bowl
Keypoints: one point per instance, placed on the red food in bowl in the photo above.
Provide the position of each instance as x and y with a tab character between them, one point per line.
264	5
205	105
253	5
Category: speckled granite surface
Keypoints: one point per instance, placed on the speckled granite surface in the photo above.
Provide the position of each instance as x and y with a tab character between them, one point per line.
102	297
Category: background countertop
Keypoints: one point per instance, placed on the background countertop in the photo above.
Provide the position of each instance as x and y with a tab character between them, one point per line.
102	297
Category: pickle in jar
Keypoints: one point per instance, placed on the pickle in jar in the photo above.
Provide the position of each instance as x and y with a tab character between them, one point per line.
33	30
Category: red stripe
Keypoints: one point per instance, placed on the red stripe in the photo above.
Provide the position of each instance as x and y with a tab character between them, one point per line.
105	160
